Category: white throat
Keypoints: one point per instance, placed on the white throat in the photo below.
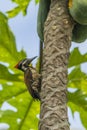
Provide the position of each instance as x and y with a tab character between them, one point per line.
24	68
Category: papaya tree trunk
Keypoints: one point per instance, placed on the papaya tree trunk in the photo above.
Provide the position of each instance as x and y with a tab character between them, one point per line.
57	40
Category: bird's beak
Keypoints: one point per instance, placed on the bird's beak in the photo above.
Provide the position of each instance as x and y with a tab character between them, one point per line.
30	60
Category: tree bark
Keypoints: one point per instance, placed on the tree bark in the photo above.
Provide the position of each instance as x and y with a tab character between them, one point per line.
57	40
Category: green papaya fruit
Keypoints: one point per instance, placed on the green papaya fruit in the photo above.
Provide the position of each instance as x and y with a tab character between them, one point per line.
78	10
43	10
79	33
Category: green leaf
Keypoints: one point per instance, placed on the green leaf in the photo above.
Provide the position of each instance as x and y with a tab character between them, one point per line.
8	48
22	6
78	79
31	120
76	74
79	98
14	91
25	115
78	103
13	12
11	89
76	58
37	1
82	112
6	75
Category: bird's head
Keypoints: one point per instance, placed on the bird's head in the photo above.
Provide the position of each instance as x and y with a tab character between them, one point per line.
24	64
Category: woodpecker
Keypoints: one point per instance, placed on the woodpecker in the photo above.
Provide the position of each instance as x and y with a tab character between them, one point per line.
31	77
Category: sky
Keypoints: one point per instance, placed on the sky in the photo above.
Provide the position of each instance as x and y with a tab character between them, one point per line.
25	31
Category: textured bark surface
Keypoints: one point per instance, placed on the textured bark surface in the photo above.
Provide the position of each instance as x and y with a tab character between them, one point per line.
57	41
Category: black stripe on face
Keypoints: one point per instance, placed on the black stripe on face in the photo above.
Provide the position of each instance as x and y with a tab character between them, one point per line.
22	64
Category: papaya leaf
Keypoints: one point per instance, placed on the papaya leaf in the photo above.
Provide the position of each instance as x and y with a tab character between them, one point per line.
30	120
6	75
10	90
12	13
78	103
21	116
82	112
21	111
78	79
76	58
37	1
8	48
21	7
79	98
77	74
